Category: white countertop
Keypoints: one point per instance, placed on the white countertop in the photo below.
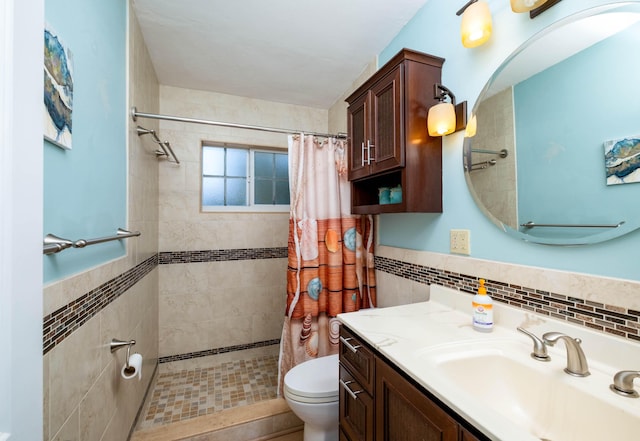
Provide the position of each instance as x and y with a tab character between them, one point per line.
404	333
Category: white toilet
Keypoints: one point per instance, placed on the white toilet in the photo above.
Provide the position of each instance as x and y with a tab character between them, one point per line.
311	390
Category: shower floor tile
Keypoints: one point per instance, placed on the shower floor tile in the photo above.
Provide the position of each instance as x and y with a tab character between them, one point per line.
186	394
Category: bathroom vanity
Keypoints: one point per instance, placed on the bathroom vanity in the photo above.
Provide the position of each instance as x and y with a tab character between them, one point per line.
420	371
378	401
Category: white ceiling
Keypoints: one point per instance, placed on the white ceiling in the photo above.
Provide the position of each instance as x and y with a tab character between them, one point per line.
305	52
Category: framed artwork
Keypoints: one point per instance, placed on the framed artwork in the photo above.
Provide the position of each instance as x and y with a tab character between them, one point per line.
58	90
622	160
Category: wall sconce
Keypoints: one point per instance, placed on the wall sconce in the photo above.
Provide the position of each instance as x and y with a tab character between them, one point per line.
525	5
445	118
533	7
472	127
476	25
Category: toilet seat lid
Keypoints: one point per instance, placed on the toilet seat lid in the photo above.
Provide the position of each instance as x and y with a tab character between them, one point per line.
317	379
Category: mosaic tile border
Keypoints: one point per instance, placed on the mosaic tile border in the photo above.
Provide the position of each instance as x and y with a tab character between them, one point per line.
216	351
610	319
61	323
169	257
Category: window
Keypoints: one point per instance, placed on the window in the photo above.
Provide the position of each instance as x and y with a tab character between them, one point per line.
236	178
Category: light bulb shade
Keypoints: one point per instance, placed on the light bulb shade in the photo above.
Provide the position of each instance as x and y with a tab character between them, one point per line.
472	125
526	5
476	25
441	119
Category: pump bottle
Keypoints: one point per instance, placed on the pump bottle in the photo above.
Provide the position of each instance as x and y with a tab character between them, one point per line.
482	309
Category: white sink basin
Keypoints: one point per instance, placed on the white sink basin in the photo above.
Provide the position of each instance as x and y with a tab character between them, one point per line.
538	397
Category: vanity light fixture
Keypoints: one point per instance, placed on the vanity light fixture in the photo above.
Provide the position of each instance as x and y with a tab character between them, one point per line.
533	7
446	117
472	126
525	5
476	25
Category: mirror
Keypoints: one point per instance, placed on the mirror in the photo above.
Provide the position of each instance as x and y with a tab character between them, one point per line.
552	150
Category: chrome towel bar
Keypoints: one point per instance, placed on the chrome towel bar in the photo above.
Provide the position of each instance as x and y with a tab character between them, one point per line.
54	244
502	153
532	224
165	147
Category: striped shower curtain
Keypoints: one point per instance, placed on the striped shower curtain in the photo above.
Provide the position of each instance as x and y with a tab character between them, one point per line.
330	252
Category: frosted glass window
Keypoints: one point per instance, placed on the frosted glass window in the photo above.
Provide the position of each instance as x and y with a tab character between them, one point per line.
271	185
213	161
263	165
237	162
282	167
212	191
282	192
241	178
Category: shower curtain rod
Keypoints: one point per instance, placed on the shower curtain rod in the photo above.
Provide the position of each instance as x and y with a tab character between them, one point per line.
135	114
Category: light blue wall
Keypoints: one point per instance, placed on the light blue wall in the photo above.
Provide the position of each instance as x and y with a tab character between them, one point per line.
568	145
435	30
85	188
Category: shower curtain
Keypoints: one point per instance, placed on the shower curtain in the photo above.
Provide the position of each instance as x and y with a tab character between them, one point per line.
330	255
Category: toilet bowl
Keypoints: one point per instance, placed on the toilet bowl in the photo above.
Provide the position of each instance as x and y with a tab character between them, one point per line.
311	390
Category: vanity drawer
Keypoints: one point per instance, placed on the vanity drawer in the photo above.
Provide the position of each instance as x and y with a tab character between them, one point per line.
357	358
356	409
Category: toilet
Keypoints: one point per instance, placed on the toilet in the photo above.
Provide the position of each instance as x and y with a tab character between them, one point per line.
311	390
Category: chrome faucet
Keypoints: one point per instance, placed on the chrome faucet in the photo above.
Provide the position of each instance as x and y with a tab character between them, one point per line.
539	348
576	360
623	383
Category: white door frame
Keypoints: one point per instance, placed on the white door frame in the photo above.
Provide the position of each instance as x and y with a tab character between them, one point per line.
21	177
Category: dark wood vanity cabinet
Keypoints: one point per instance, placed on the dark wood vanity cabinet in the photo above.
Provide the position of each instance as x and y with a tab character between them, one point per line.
357	367
403	412
374	127
388	140
378	402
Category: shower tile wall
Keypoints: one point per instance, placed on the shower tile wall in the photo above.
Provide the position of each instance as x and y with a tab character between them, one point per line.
496	185
220	303
84	395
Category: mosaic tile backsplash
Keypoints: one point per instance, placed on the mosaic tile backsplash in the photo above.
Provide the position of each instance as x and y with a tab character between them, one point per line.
606	318
602	317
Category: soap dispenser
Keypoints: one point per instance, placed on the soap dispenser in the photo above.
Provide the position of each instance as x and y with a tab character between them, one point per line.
482	309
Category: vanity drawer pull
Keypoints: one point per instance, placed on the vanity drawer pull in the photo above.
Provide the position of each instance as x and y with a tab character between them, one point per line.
345	386
345	341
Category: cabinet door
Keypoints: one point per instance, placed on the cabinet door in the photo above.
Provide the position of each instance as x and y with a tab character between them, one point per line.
465	435
404	413
387	116
356	409
358	126
357	358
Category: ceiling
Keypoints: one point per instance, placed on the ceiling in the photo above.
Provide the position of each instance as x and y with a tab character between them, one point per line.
304	52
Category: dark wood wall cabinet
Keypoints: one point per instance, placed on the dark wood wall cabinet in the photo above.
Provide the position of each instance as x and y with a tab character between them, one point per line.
389	146
379	402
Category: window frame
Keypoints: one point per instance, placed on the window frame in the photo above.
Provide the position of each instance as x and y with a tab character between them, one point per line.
251	207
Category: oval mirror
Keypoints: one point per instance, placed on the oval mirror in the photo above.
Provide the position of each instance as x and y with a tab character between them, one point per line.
552	150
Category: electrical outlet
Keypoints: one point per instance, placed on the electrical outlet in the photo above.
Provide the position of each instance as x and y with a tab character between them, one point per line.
460	242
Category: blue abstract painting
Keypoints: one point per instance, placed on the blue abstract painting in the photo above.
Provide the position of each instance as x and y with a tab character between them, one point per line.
58	90
622	160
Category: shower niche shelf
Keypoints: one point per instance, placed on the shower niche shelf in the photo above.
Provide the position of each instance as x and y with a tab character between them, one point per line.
388	140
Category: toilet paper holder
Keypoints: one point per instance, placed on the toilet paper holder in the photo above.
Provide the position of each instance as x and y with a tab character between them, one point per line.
117	344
